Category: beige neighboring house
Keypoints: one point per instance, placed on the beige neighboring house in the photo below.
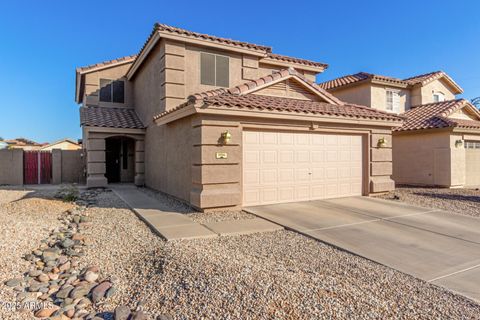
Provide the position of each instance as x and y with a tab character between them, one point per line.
221	123
439	143
64	144
24	144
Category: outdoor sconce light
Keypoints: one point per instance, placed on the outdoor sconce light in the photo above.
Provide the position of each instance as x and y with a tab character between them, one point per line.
382	142
458	143
226	137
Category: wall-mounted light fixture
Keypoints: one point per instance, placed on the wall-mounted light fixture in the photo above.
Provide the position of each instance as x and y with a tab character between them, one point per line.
382	142
458	143
226	137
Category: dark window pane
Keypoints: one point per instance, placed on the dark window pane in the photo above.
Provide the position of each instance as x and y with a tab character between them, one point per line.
105	90
222	71
118	91
207	69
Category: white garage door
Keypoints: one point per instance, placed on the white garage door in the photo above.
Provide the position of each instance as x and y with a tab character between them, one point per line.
286	166
472	166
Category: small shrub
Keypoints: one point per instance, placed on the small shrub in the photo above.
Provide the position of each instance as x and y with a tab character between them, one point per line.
68	193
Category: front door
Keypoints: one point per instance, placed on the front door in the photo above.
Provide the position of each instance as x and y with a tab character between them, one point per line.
112	153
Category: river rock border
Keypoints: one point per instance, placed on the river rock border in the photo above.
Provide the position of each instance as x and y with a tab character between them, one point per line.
55	287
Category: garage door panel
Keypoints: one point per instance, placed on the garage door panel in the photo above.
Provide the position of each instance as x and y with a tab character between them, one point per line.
472	163
287	166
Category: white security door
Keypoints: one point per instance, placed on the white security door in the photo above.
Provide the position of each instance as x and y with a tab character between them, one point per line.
293	166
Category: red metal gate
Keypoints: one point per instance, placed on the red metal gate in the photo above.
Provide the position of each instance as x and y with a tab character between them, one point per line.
37	167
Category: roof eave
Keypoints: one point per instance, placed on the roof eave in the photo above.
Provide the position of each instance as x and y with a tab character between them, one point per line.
316	69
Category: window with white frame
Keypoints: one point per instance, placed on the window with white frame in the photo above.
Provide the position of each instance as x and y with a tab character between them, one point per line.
393	101
438	97
214	70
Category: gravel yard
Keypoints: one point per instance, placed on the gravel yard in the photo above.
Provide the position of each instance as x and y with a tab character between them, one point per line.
25	219
280	275
462	201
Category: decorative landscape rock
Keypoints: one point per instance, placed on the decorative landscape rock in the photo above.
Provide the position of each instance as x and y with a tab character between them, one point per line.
55	280
13	282
121	313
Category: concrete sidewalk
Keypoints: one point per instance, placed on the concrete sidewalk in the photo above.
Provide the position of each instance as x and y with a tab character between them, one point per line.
172	225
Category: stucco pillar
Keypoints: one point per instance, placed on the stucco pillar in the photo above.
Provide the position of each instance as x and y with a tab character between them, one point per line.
56	166
96	166
139	162
381	167
216	167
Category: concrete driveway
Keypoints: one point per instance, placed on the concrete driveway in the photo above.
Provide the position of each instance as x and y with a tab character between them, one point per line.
432	245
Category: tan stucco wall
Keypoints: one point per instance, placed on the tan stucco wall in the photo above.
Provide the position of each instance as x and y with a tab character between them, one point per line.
216	183
11	167
424	94
428	158
92	86
360	94
168	158
379	98
68	166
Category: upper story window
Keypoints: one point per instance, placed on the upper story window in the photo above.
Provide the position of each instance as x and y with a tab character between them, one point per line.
214	70
438	97
112	91
393	101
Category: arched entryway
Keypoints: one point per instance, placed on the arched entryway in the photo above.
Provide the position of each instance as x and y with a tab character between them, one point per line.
119	159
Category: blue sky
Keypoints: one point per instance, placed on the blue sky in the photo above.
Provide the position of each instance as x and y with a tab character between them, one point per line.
43	41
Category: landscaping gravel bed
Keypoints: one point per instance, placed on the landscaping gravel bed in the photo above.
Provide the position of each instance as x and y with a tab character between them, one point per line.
200	217
24	221
278	275
462	201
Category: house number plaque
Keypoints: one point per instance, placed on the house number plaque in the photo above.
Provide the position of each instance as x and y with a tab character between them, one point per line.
221	155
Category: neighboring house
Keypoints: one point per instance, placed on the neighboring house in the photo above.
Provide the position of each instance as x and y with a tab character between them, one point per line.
25	144
221	123
64	144
439	143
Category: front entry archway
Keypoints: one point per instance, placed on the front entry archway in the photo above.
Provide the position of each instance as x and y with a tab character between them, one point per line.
120	159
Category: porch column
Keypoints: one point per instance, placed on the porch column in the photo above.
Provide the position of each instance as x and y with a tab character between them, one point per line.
96	167
139	162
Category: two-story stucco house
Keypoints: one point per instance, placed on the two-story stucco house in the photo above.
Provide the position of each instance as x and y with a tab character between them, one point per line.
221	123
439	142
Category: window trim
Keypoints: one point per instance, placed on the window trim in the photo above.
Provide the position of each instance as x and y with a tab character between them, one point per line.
111	81
438	94
394	92
214	70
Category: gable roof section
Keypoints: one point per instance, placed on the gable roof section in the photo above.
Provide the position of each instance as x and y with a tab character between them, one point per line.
80	71
275	77
241	98
107	117
426	78
436	116
178	34
60	141
419	80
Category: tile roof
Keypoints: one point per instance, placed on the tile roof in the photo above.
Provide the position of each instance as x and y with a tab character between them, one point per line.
202	36
239	97
110	117
270	103
435	116
296	60
357	77
361	76
275	76
424	77
108	63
